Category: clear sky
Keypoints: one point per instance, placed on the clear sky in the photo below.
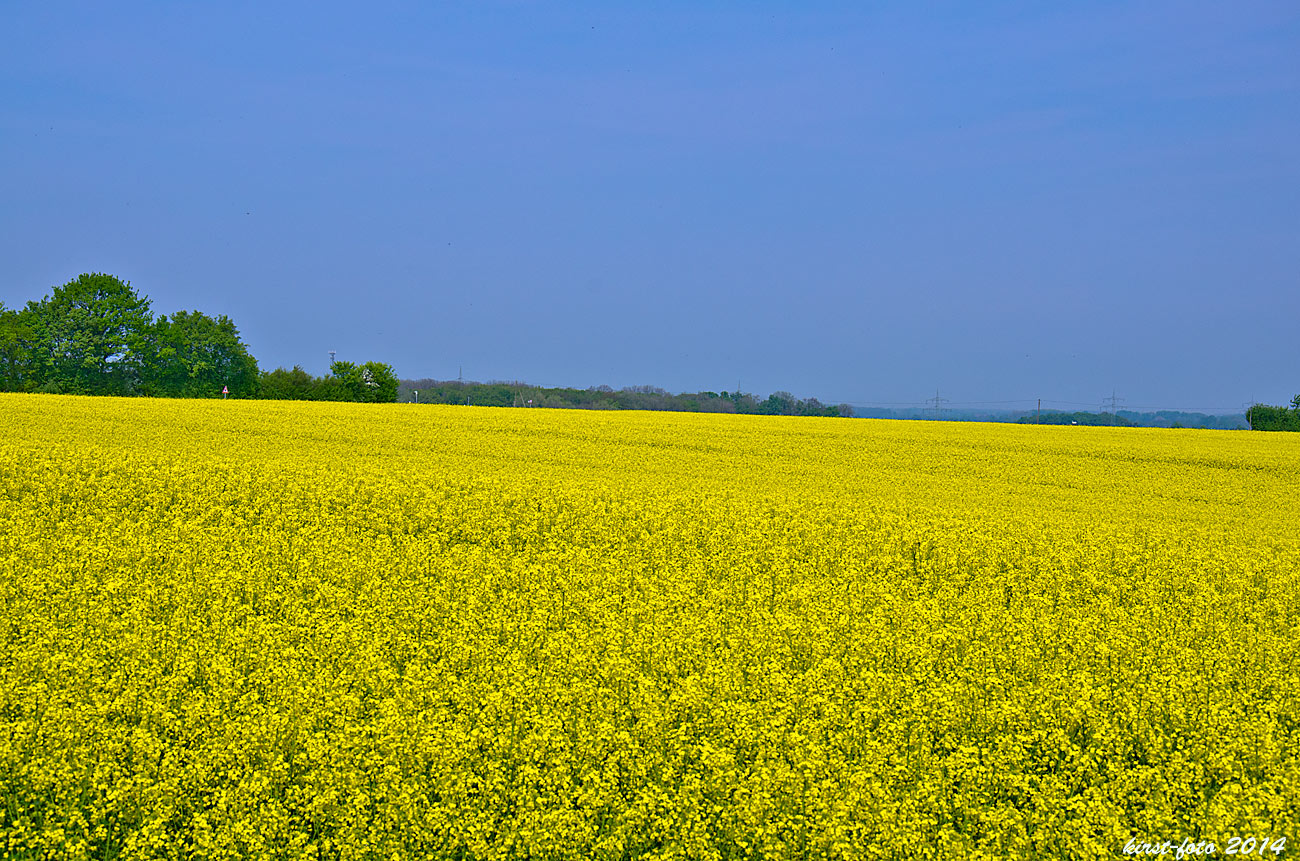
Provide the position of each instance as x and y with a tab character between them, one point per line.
858	201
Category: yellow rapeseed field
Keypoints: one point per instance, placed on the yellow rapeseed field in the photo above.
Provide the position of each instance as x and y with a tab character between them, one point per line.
291	630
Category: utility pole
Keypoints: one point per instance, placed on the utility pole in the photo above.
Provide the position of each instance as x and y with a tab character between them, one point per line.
332	352
938	403
1039	419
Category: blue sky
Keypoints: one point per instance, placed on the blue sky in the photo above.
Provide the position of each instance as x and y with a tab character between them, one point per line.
860	202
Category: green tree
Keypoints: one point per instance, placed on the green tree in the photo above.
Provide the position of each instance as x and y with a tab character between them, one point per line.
15	351
1263	417
192	355
380	382
779	404
288	385
373	382
90	336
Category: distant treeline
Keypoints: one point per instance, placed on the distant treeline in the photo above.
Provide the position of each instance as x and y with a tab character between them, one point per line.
517	394
96	336
1124	418
1266	418
1053	417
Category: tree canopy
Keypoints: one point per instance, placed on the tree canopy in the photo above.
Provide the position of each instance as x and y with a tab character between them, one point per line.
372	382
89	336
1267	418
96	336
192	355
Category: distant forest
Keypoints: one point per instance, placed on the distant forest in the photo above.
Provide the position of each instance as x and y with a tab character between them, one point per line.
1123	418
517	394
1127	418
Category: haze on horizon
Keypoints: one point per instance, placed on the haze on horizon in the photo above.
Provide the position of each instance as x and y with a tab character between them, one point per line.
858	202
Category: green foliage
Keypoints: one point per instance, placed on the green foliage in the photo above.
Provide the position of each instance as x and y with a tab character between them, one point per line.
372	382
786	404
90	336
95	336
15	350
298	385
1052	417
1267	418
517	394
378	383
357	380
192	355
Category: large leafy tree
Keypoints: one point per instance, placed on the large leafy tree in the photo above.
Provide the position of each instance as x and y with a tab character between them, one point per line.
90	336
192	355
